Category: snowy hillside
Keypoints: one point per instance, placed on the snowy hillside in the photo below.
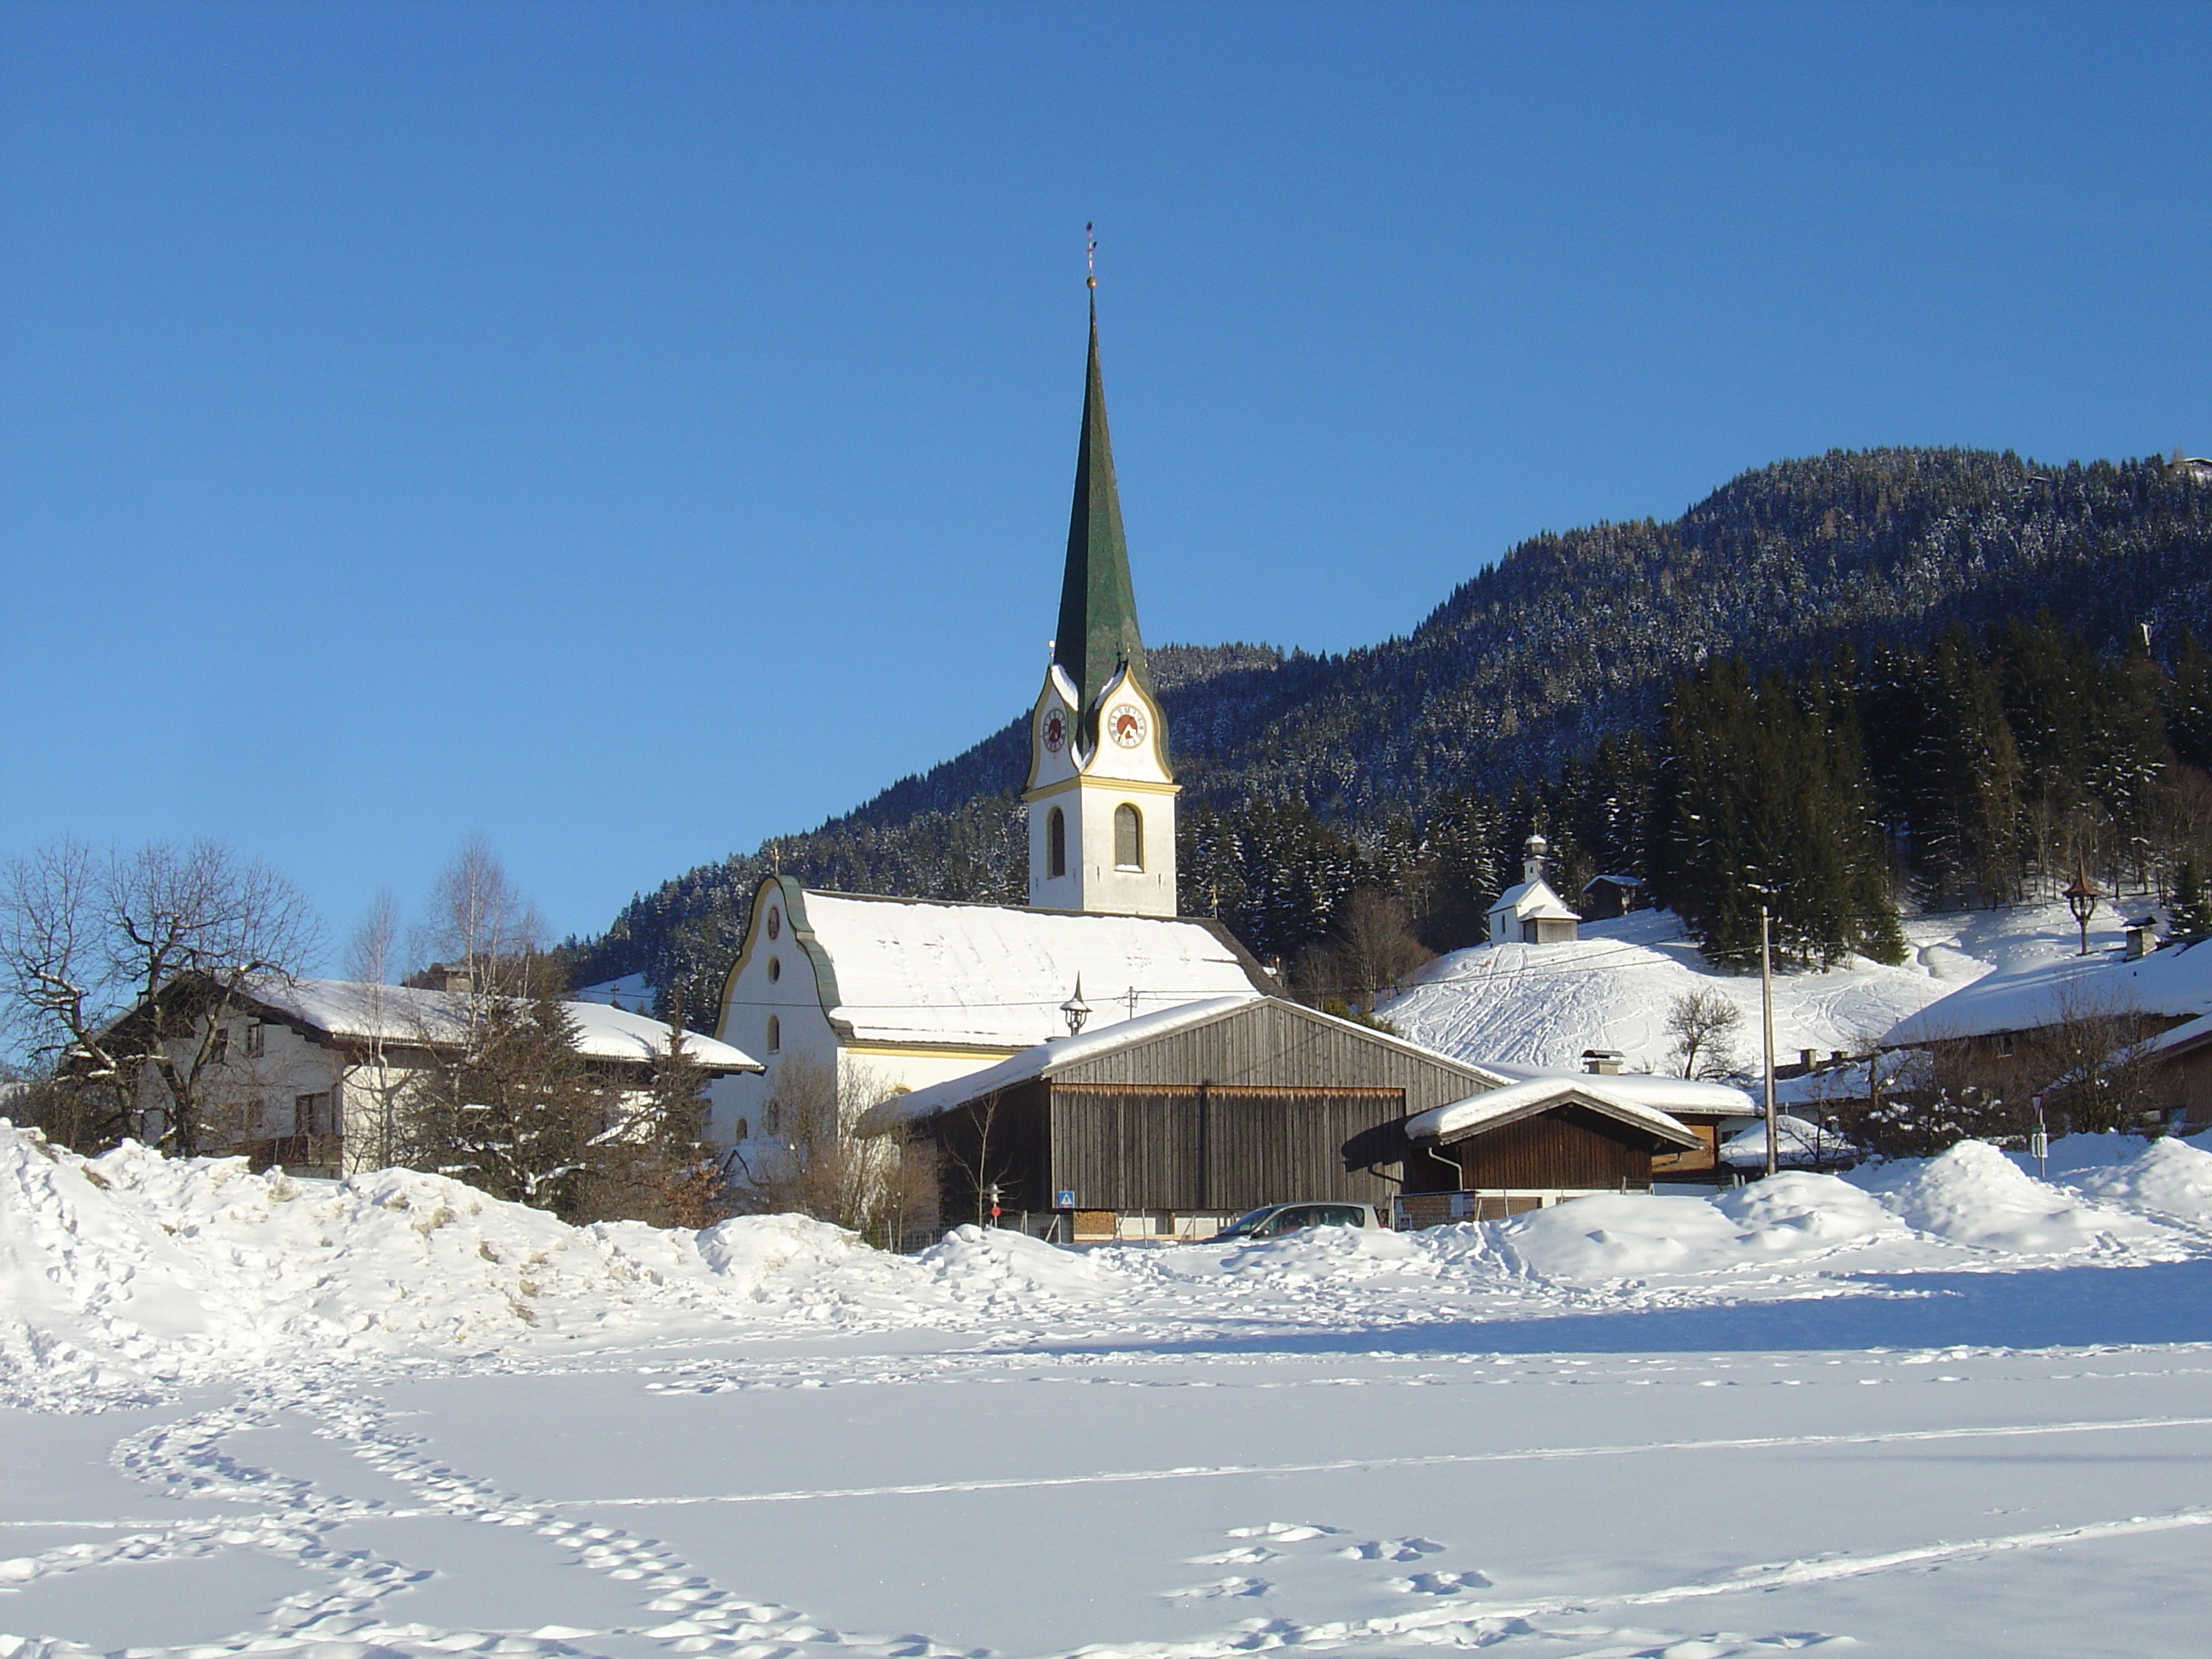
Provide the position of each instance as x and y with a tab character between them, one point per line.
1542	1004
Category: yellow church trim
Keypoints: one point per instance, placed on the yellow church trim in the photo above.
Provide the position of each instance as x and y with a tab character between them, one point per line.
928	1051
1102	785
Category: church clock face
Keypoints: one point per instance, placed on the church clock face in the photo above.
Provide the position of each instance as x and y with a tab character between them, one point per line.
1056	731
1126	725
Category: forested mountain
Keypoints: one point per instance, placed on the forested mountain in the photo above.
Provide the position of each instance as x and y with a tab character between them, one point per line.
1303	774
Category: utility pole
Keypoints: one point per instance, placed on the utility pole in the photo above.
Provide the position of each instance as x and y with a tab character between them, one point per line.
1766	1020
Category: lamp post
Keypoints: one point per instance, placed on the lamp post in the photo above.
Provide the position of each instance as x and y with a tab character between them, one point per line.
1075	1010
2081	896
1767	1027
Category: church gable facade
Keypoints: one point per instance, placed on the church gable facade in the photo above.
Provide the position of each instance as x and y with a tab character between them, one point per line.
891	993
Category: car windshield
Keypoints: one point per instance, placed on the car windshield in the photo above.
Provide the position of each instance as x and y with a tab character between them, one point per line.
1249	1223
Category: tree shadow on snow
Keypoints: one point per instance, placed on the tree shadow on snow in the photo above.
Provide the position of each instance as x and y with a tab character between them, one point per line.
2052	1307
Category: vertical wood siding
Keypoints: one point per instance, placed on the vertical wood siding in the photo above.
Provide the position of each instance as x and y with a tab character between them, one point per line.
1566	1147
1213	1148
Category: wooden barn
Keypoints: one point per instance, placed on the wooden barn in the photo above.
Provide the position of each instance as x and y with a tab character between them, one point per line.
1170	1124
1531	1143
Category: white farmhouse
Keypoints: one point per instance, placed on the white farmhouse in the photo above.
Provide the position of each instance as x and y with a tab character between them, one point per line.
317	1074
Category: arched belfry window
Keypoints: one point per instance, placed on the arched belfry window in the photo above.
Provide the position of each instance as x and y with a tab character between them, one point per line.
1128	838
774	1034
1055	844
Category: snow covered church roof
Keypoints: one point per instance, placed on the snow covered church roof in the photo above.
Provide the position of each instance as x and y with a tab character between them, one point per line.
1534	900
2174	982
403	1014
898	970
1479	1113
1043	1058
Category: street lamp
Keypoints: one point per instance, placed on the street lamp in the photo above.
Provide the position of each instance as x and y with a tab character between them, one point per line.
2081	896
1075	1010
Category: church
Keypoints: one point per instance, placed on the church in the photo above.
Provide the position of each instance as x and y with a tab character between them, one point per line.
1092	1065
898	993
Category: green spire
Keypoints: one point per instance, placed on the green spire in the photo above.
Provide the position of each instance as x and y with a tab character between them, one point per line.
1097	605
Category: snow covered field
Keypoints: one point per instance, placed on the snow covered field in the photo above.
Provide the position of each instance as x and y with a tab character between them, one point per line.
1955	1411
1541	1004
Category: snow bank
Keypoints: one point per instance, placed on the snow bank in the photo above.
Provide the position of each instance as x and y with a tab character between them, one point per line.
2168	1177
1974	1195
992	1264
128	1272
1634	1236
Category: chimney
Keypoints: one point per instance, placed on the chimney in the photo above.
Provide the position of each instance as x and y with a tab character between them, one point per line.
1602	1062
454	981
1805	1058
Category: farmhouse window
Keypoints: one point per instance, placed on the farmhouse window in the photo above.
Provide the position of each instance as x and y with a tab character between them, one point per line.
312	1115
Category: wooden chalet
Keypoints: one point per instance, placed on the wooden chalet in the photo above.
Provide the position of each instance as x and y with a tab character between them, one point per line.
1531	1143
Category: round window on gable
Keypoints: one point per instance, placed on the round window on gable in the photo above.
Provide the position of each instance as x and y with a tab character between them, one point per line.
774	969
774	1034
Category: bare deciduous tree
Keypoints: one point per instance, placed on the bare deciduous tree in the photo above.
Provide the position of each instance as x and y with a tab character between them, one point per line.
121	968
479	922
882	1186
1704	1023
1371	953
370	959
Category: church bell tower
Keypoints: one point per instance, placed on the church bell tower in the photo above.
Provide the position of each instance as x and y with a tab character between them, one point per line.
1100	796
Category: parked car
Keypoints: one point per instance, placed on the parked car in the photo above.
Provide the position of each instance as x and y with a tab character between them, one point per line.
1274	1220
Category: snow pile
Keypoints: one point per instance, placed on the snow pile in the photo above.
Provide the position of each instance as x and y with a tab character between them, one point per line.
2168	1177
1331	1254
129	1270
997	1266
759	1256
1632	1236
1974	1195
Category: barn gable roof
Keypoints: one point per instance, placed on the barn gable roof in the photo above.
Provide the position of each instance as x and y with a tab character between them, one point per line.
1067	1053
1480	1114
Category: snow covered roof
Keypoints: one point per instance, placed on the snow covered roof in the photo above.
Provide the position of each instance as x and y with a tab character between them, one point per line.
1666	1094
1796	1141
1534	900
1617	881
1535	1094
906	970
402	1014
2174	980
1045	1058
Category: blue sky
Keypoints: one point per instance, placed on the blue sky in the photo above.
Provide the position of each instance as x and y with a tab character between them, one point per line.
629	431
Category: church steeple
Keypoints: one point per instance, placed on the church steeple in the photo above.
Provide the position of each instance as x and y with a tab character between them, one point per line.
1100	794
1098	603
